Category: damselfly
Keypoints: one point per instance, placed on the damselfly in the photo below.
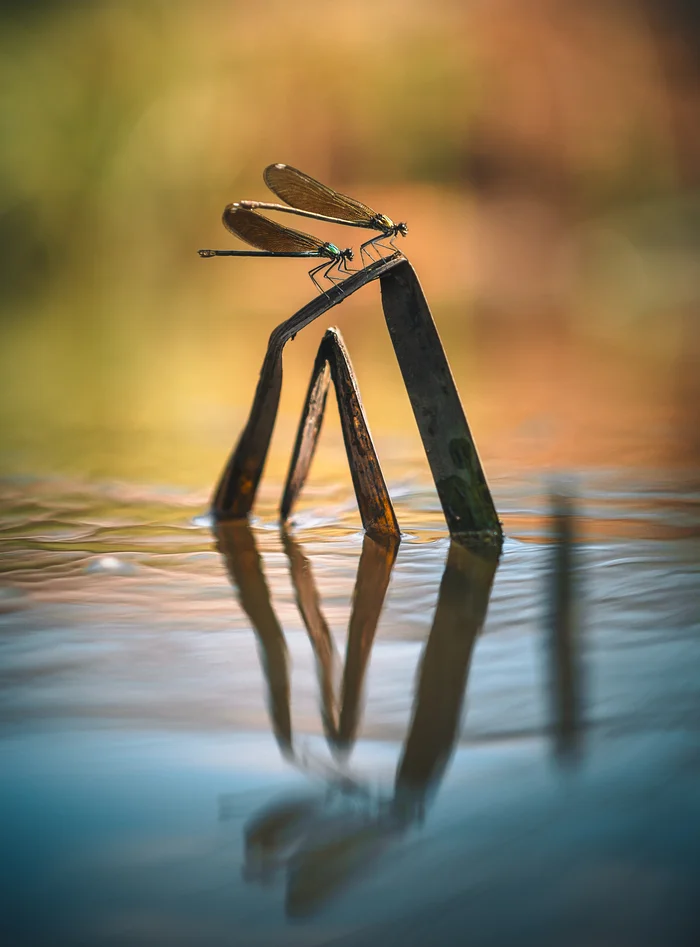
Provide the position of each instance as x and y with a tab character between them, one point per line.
274	240
307	197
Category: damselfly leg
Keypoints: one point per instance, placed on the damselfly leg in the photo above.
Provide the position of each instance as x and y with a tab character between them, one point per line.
326	267
365	255
344	268
374	243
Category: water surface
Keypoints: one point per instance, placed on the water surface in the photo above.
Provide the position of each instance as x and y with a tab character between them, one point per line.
262	738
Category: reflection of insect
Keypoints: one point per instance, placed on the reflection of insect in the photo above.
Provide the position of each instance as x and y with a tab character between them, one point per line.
307	197
277	241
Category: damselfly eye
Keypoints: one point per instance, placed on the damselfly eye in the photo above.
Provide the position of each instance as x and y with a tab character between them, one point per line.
349	255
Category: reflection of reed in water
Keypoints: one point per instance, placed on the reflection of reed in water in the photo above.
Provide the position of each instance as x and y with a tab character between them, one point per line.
336	851
564	658
319	633
461	610
324	842
236	543
243	561
373	574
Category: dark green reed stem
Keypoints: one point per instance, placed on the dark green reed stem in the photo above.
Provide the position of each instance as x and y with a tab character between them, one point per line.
449	446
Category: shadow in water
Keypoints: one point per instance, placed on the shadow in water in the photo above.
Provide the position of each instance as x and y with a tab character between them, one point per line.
323	840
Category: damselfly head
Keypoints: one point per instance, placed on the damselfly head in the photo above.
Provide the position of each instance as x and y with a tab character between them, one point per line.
402	229
348	254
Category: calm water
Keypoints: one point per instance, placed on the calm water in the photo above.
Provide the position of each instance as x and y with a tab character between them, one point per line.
266	740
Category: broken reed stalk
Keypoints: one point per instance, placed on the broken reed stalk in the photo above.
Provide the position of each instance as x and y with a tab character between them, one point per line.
459	478
235	493
373	500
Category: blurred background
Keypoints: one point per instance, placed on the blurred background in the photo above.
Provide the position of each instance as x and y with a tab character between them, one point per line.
545	154
546	157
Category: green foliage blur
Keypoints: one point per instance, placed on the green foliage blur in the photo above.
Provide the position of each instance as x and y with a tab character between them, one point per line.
542	153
